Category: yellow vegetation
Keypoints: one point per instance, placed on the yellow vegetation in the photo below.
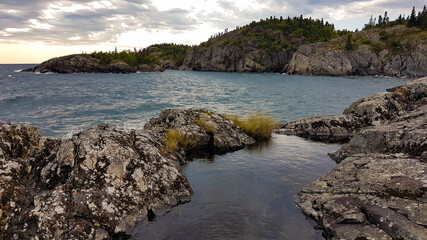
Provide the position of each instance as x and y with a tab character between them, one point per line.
204	124
176	139
257	125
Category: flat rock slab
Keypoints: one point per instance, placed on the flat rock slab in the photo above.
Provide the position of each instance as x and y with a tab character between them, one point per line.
378	189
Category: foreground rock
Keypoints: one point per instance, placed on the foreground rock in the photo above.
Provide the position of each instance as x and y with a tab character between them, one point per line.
374	110
378	190
84	63
395	51
100	182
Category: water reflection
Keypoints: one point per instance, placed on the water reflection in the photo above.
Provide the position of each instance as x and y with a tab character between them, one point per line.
248	194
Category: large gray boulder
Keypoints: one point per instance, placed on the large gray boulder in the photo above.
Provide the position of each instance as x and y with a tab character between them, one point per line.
206	129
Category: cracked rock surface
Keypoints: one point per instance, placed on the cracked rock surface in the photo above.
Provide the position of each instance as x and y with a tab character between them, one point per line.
101	182
378	190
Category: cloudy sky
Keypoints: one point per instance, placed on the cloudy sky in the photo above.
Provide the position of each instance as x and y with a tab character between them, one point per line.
32	31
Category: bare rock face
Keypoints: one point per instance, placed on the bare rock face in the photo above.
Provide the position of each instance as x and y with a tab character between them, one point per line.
224	56
378	189
84	63
101	182
389	52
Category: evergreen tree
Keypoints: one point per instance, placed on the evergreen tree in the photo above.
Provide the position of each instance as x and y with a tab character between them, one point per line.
348	45
386	18
412	19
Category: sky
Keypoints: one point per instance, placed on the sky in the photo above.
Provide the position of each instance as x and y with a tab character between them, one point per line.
32	31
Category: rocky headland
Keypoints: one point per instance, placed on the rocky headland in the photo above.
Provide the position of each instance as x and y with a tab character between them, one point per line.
378	190
396	51
85	63
292	46
100	182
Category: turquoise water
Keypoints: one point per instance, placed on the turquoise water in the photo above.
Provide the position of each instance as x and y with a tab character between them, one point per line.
248	194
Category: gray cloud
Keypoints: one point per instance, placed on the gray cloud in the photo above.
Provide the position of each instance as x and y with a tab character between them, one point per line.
95	26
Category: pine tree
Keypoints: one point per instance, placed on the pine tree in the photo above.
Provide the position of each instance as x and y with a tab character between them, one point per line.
386	19
348	45
412	19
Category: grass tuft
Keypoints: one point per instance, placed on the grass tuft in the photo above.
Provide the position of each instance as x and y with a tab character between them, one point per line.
176	139
204	124
257	125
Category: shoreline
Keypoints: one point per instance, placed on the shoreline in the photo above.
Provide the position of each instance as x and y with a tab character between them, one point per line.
378	188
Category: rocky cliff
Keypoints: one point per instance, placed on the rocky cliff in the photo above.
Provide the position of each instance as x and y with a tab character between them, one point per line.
226	54
100	182
393	51
264	46
84	63
378	189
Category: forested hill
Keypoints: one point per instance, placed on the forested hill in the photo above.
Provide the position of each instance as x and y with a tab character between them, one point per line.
167	55
266	45
263	46
395	48
294	45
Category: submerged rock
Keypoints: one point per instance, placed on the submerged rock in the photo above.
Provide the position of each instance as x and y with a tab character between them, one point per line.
379	187
101	182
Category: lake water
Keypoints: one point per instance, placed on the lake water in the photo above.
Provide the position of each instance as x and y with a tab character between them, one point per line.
248	194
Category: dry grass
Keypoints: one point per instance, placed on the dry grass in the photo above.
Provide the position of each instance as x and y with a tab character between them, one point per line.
204	124
176	139
257	125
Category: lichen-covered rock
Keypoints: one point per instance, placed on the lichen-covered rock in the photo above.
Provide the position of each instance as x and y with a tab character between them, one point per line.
405	134
101	182
379	187
385	192
208	130
374	110
335	128
111	178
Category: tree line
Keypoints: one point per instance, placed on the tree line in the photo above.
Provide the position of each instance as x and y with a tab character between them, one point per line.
413	20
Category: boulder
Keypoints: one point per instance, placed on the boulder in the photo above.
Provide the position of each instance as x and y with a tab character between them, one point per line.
206	129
